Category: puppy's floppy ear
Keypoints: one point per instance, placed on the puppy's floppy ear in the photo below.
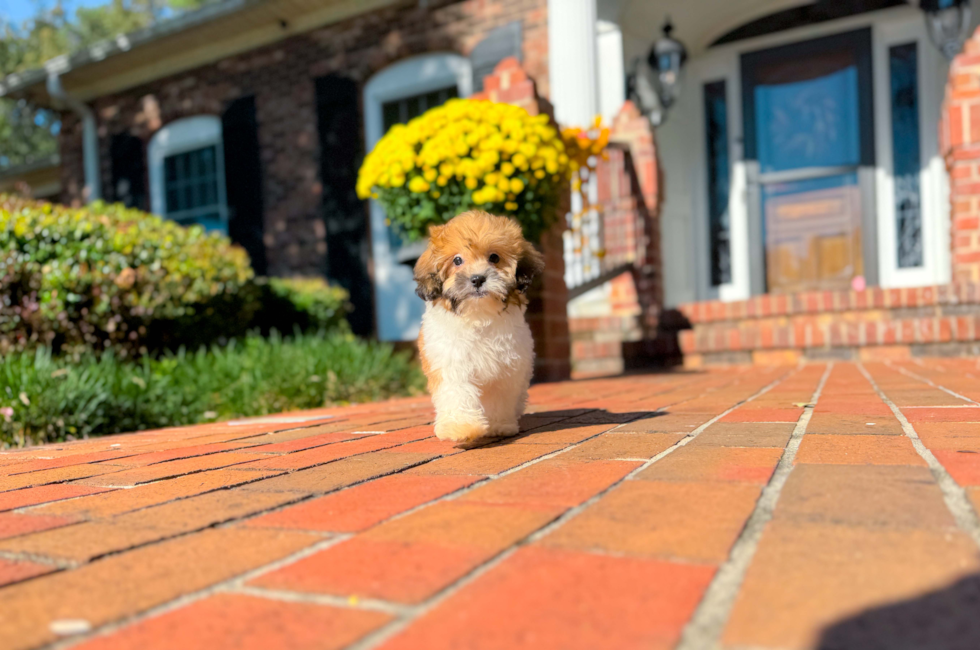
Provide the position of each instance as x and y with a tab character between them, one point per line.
427	279
529	264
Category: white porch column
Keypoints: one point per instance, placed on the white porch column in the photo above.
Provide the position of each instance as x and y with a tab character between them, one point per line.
611	70
572	61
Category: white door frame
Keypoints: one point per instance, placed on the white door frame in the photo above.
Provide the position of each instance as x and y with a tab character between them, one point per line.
888	27
399	310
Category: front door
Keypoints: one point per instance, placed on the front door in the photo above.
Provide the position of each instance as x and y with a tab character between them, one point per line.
809	137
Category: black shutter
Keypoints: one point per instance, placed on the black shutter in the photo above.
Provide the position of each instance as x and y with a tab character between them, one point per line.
243	179
344	215
128	164
499	44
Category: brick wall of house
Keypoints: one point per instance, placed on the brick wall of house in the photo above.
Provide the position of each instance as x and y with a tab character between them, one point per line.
960	144
281	77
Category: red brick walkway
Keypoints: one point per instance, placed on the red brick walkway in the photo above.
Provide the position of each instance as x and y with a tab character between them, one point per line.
828	506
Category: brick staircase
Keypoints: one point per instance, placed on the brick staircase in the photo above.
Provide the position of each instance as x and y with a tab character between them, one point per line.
874	323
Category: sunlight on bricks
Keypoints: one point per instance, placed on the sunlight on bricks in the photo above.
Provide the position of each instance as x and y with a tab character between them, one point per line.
604	524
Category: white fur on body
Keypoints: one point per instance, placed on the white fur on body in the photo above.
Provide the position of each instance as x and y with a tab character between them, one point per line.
484	357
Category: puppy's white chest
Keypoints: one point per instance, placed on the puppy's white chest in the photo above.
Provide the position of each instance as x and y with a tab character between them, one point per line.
476	350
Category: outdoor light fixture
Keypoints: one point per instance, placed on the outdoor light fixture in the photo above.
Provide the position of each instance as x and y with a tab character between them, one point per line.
948	22
667	57
656	86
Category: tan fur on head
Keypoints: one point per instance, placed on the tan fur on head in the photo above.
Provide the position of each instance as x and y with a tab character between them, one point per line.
474	245
475	345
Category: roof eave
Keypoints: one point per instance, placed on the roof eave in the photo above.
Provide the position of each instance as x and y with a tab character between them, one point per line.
31	83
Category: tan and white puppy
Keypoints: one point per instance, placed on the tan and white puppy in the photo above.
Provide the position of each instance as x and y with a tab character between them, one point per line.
475	345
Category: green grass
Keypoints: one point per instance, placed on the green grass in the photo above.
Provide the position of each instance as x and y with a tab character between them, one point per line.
46	399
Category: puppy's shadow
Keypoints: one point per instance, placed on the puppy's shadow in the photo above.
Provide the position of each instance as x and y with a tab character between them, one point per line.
542	422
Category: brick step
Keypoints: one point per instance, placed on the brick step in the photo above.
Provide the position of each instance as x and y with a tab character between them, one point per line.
823	302
834	324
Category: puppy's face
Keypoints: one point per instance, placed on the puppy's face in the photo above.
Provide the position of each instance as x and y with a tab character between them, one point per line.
476	258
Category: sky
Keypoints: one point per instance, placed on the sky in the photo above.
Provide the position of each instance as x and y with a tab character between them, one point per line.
17	11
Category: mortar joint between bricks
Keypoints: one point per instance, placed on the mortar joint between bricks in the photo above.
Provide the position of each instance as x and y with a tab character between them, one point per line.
383	634
703	631
188	599
954	495
909	373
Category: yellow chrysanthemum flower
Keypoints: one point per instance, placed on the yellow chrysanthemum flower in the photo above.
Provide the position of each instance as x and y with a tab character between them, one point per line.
481	152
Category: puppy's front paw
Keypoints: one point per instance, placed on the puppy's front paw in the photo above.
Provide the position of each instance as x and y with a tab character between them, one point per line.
463	431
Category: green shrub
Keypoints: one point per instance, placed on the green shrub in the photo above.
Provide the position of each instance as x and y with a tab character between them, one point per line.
110	278
107	277
307	304
45	398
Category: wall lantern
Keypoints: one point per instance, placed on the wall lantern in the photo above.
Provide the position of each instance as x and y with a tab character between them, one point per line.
948	22
655	87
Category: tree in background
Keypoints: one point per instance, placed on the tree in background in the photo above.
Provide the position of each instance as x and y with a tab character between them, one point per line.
29	134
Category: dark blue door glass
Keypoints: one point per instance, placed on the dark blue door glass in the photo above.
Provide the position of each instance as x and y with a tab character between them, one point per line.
716	130
904	77
810	123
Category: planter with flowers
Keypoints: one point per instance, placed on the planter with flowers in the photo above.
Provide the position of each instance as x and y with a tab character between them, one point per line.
470	154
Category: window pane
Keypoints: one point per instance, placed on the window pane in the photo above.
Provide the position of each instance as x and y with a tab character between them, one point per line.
811	121
414	107
716	130
432	100
191	186
392	114
903	70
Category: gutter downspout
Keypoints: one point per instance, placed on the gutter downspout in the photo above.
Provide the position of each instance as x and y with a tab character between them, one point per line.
90	136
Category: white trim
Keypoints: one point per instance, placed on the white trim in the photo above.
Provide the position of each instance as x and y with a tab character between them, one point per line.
182	135
707	69
933	71
399	311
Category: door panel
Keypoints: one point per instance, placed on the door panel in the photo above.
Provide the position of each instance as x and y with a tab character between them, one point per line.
813	233
808	126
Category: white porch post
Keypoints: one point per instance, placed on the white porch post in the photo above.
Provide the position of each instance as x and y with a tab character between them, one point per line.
572	60
611	70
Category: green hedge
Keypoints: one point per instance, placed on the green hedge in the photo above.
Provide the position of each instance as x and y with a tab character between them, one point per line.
106	277
45	398
307	304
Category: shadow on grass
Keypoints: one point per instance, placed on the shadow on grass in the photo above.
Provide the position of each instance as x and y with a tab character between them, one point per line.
946	619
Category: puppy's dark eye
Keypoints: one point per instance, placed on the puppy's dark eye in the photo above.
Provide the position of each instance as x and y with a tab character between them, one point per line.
494	258
458	261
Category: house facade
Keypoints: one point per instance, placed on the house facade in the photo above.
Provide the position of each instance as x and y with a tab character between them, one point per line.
801	173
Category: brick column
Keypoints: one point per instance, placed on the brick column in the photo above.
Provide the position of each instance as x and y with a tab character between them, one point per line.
547	312
631	128
960	144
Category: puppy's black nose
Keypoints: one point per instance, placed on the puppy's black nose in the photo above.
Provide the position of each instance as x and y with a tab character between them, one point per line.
478	280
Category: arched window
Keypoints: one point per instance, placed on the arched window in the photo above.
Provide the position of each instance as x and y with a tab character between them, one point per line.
187	172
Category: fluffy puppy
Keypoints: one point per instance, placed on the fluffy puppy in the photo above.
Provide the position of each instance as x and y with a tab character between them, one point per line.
475	345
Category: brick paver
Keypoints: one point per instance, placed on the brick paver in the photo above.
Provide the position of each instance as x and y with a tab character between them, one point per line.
831	505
